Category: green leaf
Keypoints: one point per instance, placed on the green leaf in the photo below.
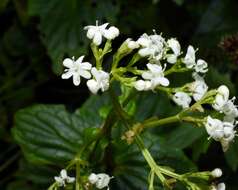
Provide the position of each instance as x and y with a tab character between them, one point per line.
62	22
48	133
184	135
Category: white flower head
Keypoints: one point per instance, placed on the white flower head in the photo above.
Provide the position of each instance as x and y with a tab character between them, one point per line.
216	173
63	178
152	46
142	85
111	33
100	81
214	128
221	98
155	75
176	48
201	66
100	180
190	59
96	33
182	99
76	69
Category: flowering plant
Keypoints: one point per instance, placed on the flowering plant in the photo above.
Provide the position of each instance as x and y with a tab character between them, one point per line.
145	64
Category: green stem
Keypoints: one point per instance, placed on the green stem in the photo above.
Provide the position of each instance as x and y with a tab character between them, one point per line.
157	122
77	181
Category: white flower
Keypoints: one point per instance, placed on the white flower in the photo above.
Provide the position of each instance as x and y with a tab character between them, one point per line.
176	48
198	88
142	85
216	173
214	128
95	33
100	81
100	180
132	44
151	46
155	75
111	33
201	66
182	99
190	59
63	178
221	98
76	69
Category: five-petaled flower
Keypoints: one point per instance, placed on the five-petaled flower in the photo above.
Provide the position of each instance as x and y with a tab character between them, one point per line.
76	69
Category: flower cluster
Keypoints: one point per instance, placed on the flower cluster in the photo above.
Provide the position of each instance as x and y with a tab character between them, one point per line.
223	130
100	180
162	57
151	58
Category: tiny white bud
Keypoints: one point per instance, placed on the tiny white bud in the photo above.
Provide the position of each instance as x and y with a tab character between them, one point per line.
221	186
92	178
216	173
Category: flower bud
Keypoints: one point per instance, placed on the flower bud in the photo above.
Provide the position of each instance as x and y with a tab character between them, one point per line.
93	178
216	173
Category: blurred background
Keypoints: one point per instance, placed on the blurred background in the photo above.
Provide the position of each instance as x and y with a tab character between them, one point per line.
35	35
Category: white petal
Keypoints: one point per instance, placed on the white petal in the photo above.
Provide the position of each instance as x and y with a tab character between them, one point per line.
67	75
70	179
91	33
79	60
174	45
63	174
68	63
97	40
93	86
164	81
76	79
86	66
59	181
154	68
147	75
144	52
85	74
